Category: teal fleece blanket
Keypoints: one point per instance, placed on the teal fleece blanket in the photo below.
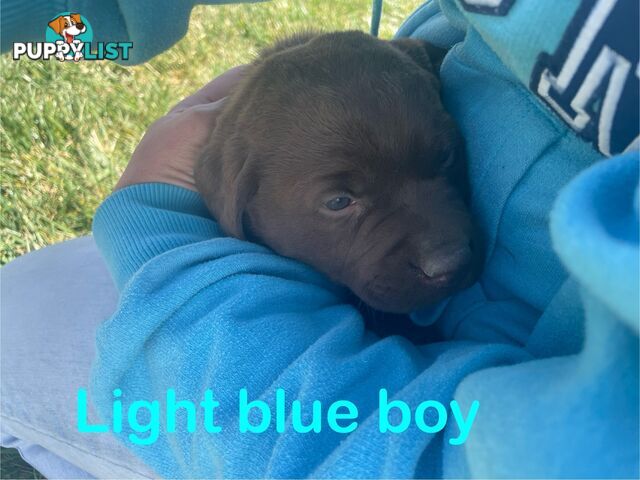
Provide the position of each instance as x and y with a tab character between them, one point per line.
540	355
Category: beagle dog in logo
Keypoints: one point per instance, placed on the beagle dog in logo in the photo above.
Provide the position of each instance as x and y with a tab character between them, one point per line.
68	27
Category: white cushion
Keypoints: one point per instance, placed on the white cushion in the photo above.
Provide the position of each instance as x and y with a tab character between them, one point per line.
52	300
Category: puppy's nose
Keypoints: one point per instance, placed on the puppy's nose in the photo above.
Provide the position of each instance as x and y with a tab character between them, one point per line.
446	261
80	26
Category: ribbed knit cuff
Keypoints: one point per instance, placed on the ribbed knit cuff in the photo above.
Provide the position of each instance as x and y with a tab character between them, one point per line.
142	221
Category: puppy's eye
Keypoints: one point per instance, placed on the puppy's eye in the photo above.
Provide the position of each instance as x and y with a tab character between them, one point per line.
338	203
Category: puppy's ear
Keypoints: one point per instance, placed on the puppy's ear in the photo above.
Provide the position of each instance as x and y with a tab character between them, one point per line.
291	41
226	180
423	53
57	24
75	17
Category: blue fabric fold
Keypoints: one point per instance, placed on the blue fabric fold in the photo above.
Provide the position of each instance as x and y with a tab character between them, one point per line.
595	232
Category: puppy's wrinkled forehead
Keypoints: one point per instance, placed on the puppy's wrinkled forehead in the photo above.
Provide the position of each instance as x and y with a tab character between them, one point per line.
352	110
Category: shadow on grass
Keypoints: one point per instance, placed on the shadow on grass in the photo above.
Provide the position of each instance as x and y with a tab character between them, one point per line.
13	466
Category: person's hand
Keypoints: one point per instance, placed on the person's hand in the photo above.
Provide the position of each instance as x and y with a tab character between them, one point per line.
168	151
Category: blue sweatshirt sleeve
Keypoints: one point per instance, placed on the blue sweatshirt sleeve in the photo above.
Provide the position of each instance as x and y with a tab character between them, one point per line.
201	311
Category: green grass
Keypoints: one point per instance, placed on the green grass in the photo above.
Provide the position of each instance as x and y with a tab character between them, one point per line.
68	130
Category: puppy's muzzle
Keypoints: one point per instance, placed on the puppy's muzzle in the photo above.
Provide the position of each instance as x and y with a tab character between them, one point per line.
446	264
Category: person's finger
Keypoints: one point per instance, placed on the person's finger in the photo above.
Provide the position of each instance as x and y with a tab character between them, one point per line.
216	89
196	123
209	106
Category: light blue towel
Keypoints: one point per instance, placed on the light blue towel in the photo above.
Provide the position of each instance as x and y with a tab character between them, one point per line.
546	341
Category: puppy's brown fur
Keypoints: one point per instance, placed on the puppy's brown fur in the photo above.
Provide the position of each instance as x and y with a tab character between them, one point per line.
324	120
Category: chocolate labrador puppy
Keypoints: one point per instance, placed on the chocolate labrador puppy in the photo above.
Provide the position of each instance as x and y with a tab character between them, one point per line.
335	150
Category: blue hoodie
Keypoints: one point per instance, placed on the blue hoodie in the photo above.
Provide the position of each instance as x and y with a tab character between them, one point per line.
540	355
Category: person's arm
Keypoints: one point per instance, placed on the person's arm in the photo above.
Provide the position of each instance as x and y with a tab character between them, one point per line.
200	311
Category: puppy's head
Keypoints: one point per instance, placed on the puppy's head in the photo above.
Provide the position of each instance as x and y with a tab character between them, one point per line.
335	150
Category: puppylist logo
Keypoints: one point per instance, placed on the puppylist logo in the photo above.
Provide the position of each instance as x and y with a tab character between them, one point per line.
69	36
